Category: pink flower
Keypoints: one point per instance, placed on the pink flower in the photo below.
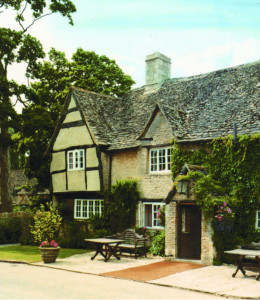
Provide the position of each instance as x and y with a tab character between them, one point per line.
229	210
219	217
225	203
44	244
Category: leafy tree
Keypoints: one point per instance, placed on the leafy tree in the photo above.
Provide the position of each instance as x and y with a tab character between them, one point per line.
52	80
19	47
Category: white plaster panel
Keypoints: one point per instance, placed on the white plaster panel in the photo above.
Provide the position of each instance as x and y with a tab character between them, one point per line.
72	103
76	180
71	137
73	117
92	160
58	161
59	182
93	181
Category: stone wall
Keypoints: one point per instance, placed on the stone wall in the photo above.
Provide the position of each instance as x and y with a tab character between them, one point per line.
134	164
171	222
207	249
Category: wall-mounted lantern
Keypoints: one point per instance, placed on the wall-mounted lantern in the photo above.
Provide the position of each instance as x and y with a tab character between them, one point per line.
182	187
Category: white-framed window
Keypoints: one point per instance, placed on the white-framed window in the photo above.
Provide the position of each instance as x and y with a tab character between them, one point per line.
87	208
160	160
148	214
257	224
76	159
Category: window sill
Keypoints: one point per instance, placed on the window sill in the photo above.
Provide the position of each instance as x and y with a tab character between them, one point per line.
160	173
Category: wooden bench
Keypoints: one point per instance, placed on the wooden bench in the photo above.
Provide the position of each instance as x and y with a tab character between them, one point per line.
133	243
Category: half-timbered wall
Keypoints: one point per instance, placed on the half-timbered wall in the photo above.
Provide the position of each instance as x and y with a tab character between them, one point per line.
74	134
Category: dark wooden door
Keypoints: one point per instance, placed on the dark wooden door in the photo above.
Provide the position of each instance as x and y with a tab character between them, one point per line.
189	232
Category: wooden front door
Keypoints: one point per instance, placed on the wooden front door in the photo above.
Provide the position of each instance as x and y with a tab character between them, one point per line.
189	226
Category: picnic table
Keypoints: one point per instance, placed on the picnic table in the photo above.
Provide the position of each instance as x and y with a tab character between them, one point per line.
240	255
110	247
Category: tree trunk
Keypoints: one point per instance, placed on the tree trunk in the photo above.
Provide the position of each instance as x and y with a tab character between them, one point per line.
6	199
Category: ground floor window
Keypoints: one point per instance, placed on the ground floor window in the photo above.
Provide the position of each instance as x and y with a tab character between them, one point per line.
149	214
87	208
257	218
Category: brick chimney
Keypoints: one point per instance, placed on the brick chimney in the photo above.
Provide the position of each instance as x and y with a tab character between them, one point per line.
158	68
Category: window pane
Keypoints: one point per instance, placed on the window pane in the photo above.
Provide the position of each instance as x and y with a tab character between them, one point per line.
84	209
156	221
78	210
91	208
258	222
161	159
70	160
141	215
168	159
153	161
81	159
148	215
76	160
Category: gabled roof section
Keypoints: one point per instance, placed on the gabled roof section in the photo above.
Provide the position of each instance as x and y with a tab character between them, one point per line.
201	107
208	105
150	121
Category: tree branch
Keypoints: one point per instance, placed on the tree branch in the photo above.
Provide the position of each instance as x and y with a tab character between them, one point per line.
20	16
35	20
20	100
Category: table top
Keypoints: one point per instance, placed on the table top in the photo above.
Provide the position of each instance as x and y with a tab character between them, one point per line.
104	241
248	252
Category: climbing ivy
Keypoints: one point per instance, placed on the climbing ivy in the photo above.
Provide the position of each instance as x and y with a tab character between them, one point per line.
234	171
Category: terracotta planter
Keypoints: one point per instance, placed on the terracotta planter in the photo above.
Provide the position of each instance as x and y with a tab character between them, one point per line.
49	254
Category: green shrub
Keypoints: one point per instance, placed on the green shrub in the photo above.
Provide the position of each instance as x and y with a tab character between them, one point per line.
120	204
3	239
73	233
46	224
11	229
158	243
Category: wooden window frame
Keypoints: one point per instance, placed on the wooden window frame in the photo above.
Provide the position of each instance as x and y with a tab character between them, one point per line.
160	160
76	159
155	210
82	208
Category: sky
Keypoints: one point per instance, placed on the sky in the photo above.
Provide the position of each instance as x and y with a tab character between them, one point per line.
199	36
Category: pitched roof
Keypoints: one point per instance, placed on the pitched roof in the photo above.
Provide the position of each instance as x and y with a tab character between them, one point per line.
197	108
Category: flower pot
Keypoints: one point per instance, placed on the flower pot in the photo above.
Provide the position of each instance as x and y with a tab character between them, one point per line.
49	254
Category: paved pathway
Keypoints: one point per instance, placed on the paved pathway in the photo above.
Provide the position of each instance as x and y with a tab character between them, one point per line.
216	280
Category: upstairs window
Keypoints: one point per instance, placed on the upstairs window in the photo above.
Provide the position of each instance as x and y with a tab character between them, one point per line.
87	208
160	160
76	159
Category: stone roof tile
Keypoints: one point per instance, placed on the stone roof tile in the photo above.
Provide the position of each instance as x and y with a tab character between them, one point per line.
198	107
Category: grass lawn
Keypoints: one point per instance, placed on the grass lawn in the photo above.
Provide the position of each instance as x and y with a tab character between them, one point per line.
32	253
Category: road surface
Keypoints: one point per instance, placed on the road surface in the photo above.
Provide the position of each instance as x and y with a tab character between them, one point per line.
21	281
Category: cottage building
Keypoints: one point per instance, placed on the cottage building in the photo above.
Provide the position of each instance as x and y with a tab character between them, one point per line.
100	139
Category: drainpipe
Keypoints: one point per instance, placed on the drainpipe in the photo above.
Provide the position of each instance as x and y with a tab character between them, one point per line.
110	170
